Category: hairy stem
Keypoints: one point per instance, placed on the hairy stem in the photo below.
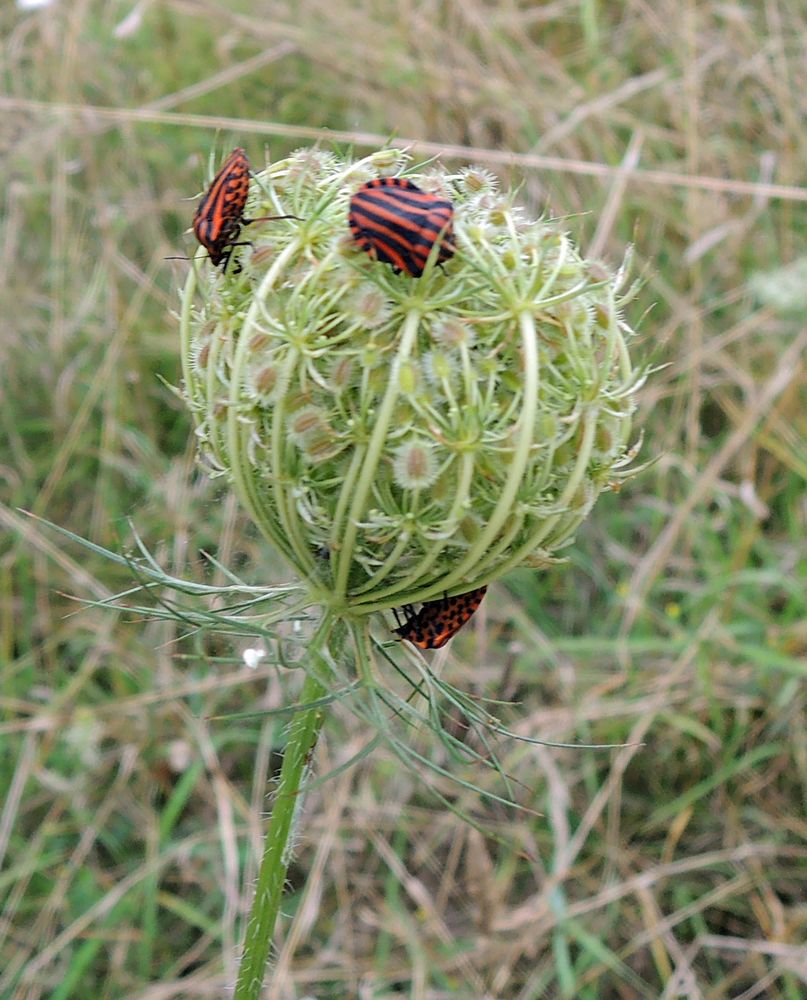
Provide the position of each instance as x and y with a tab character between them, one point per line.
302	738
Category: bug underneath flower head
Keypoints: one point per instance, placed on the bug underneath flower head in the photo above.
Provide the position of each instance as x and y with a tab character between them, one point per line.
439	621
430	425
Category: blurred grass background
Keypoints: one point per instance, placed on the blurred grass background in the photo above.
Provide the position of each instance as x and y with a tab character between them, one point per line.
130	822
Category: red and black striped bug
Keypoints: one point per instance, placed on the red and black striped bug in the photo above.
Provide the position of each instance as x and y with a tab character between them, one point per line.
398	224
219	217
438	621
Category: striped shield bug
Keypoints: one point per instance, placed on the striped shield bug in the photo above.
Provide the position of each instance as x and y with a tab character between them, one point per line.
219	217
397	223
438	621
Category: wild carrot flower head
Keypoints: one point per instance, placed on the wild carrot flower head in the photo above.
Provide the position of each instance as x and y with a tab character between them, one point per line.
400	437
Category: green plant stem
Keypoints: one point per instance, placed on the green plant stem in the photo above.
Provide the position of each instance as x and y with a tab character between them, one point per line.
302	737
375	447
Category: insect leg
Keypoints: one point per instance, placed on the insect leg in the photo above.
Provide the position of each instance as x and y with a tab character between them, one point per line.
269	218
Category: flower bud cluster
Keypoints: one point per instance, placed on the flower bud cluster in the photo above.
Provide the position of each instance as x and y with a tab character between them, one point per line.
399	438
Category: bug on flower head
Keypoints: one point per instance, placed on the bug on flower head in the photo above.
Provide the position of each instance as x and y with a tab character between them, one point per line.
219	217
398	223
439	621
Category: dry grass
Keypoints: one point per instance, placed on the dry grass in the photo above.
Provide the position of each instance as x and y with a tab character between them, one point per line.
130	827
